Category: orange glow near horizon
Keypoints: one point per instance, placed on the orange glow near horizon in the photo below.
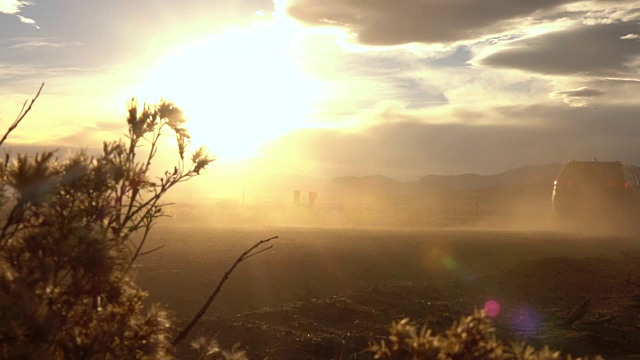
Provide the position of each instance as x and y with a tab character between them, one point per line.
240	89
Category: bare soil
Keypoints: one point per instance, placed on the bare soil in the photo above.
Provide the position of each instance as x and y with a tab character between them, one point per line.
327	293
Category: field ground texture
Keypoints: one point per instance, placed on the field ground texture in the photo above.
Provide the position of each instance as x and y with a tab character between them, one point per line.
326	293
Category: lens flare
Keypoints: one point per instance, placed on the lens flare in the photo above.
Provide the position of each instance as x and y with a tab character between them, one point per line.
438	258
492	308
450	263
525	321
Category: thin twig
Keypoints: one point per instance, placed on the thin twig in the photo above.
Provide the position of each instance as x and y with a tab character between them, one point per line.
578	313
245	255
136	254
8	223
258	252
152	250
21	115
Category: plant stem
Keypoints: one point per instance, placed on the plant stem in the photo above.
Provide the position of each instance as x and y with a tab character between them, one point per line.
245	255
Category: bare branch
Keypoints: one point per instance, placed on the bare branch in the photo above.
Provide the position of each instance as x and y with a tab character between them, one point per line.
147	229
152	250
578	313
245	255
21	115
8	223
258	252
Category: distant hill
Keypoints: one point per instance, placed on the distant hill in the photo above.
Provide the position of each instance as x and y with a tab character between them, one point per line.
379	186
529	174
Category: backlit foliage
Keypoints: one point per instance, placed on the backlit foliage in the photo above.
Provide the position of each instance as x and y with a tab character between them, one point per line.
471	338
208	349
67	245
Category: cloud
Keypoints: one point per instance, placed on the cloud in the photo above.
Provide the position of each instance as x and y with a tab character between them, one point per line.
596	91
407	21
93	134
106	30
414	92
576	97
593	50
630	37
14	7
33	43
26	20
22	78
527	134
581	92
29	60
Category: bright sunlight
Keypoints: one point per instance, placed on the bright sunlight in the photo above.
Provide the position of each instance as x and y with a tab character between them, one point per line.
240	89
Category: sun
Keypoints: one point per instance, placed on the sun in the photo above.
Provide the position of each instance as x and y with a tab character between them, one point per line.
240	89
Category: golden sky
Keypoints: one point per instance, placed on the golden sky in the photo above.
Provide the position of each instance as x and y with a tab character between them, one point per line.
337	87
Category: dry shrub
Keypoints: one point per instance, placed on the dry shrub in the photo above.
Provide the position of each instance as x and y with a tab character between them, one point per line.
66	244
471	338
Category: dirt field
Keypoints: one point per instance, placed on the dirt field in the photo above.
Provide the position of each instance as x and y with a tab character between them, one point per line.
325	293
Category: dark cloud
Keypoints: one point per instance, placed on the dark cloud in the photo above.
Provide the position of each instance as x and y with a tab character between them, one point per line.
581	92
602	90
407	21
576	97
544	134
585	50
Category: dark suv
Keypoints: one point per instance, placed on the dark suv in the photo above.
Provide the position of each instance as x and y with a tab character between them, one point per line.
597	191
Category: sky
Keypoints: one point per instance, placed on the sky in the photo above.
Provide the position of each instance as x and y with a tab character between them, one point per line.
329	88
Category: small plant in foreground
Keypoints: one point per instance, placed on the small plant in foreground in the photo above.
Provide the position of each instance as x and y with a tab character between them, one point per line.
471	338
66	245
208	349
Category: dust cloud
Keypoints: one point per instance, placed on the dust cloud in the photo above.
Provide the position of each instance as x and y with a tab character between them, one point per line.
512	207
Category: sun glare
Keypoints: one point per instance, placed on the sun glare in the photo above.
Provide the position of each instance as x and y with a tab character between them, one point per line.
240	89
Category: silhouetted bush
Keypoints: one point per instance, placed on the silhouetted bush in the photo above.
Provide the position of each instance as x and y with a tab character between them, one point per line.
66	244
471	338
